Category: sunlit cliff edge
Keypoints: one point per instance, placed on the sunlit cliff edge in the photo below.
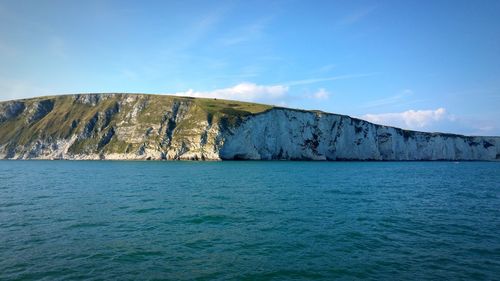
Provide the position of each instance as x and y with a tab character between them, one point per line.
161	127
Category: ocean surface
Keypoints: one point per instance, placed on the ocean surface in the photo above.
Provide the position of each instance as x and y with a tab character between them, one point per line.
106	220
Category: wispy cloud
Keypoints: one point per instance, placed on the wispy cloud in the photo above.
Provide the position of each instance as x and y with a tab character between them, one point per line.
324	79
326	68
249	32
356	16
410	119
196	30
392	100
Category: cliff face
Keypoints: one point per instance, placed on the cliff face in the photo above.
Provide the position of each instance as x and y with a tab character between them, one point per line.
323	136
134	126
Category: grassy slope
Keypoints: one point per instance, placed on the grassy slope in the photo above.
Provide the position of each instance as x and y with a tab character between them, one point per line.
69	117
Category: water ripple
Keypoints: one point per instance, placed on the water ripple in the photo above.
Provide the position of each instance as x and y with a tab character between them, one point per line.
249	221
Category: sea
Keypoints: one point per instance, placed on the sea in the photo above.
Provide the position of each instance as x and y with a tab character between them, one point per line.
249	220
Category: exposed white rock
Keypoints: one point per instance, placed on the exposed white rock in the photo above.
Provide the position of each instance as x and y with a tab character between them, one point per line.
295	134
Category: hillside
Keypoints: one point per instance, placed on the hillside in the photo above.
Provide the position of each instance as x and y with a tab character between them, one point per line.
139	126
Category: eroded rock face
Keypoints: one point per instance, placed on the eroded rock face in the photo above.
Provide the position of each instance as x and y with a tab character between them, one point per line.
292	134
38	110
10	110
133	126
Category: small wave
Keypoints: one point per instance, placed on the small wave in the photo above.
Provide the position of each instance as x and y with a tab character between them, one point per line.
87	225
284	274
210	219
44	197
138	255
12	204
199	244
147	210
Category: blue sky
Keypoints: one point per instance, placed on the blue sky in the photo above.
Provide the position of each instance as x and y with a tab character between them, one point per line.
424	65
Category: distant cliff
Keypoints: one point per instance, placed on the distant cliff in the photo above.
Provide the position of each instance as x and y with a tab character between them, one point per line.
137	126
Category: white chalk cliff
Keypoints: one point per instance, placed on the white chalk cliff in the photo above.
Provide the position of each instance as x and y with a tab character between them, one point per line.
294	134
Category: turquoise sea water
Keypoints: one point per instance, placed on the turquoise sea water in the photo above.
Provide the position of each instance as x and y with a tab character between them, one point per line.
105	220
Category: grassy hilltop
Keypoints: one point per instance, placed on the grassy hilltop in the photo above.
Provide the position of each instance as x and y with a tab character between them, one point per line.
94	119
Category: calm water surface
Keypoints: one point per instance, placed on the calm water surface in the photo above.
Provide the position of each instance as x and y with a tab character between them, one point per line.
249	220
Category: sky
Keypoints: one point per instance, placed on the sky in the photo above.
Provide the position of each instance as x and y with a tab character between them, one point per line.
421	65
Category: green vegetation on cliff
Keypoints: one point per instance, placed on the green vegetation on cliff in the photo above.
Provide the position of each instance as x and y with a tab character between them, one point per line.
112	123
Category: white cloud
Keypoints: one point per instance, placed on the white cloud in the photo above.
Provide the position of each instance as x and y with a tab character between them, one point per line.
273	94
321	94
410	119
243	91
